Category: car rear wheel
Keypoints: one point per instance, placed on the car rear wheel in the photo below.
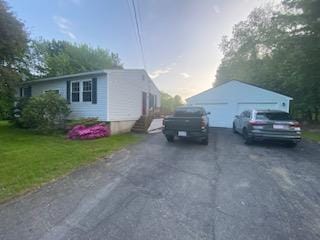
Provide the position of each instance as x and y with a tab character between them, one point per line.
205	141
234	128
247	139
291	144
170	138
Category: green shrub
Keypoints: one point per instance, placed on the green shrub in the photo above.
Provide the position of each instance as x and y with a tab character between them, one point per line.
17	109
44	113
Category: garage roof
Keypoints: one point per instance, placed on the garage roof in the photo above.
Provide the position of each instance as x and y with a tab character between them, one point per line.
238	81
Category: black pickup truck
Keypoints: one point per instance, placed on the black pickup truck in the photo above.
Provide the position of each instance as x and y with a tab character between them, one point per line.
187	122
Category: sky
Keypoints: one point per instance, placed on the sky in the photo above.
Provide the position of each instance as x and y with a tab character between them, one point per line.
180	38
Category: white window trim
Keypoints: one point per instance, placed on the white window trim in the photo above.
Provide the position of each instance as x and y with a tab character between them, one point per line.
80	99
80	90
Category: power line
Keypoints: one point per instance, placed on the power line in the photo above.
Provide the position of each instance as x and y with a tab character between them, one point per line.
133	24
139	33
139	18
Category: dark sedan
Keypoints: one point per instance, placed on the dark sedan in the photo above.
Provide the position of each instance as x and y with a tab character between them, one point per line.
267	124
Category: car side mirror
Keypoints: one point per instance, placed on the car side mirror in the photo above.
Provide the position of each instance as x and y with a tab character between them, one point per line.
208	113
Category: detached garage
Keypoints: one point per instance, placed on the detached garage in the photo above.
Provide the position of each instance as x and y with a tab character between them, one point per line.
231	98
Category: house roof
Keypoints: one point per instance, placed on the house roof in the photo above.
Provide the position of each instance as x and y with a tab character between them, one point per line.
250	84
82	75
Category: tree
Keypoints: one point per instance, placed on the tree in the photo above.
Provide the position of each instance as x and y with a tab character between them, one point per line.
278	50
55	58
169	103
13	44
177	101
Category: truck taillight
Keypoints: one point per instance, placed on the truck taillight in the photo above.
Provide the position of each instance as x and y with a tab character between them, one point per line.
203	123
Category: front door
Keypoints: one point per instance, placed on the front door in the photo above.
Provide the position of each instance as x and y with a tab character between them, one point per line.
144	103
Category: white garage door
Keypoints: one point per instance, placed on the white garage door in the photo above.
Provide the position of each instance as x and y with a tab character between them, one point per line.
220	114
257	106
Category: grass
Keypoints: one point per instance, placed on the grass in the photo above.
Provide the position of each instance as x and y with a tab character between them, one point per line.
28	160
314	136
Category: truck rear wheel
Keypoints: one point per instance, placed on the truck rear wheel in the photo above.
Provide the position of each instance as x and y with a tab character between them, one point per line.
170	138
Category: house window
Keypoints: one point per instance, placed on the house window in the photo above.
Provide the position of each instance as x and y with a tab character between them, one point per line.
56	91
86	91
25	92
75	91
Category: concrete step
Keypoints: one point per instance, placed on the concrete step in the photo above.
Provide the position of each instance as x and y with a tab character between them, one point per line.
139	124
142	125
138	127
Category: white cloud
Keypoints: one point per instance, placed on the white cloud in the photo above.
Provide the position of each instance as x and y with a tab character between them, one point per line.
159	72
216	9
185	75
162	71
64	26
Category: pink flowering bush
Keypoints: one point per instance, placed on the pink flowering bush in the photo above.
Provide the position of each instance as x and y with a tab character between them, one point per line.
89	132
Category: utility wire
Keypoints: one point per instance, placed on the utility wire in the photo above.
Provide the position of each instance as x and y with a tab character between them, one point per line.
139	33
133	25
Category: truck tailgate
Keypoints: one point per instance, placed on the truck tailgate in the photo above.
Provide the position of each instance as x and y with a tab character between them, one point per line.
183	123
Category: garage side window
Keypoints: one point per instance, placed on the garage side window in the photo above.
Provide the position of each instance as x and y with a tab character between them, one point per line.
75	91
86	91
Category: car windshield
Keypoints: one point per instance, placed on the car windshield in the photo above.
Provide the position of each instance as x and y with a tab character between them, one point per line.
188	112
280	116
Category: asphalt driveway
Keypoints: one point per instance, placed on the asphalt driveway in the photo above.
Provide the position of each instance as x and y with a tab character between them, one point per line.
156	190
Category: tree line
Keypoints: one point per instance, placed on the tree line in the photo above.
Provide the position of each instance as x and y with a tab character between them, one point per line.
278	48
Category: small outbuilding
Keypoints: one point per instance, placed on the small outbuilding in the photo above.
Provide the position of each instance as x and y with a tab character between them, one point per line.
233	97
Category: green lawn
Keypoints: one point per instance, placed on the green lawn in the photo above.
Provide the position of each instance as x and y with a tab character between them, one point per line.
315	136
28	160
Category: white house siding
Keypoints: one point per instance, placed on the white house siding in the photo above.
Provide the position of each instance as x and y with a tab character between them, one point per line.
41	87
230	99
78	109
125	94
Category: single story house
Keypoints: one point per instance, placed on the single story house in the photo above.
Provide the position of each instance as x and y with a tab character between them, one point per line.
119	96
233	97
